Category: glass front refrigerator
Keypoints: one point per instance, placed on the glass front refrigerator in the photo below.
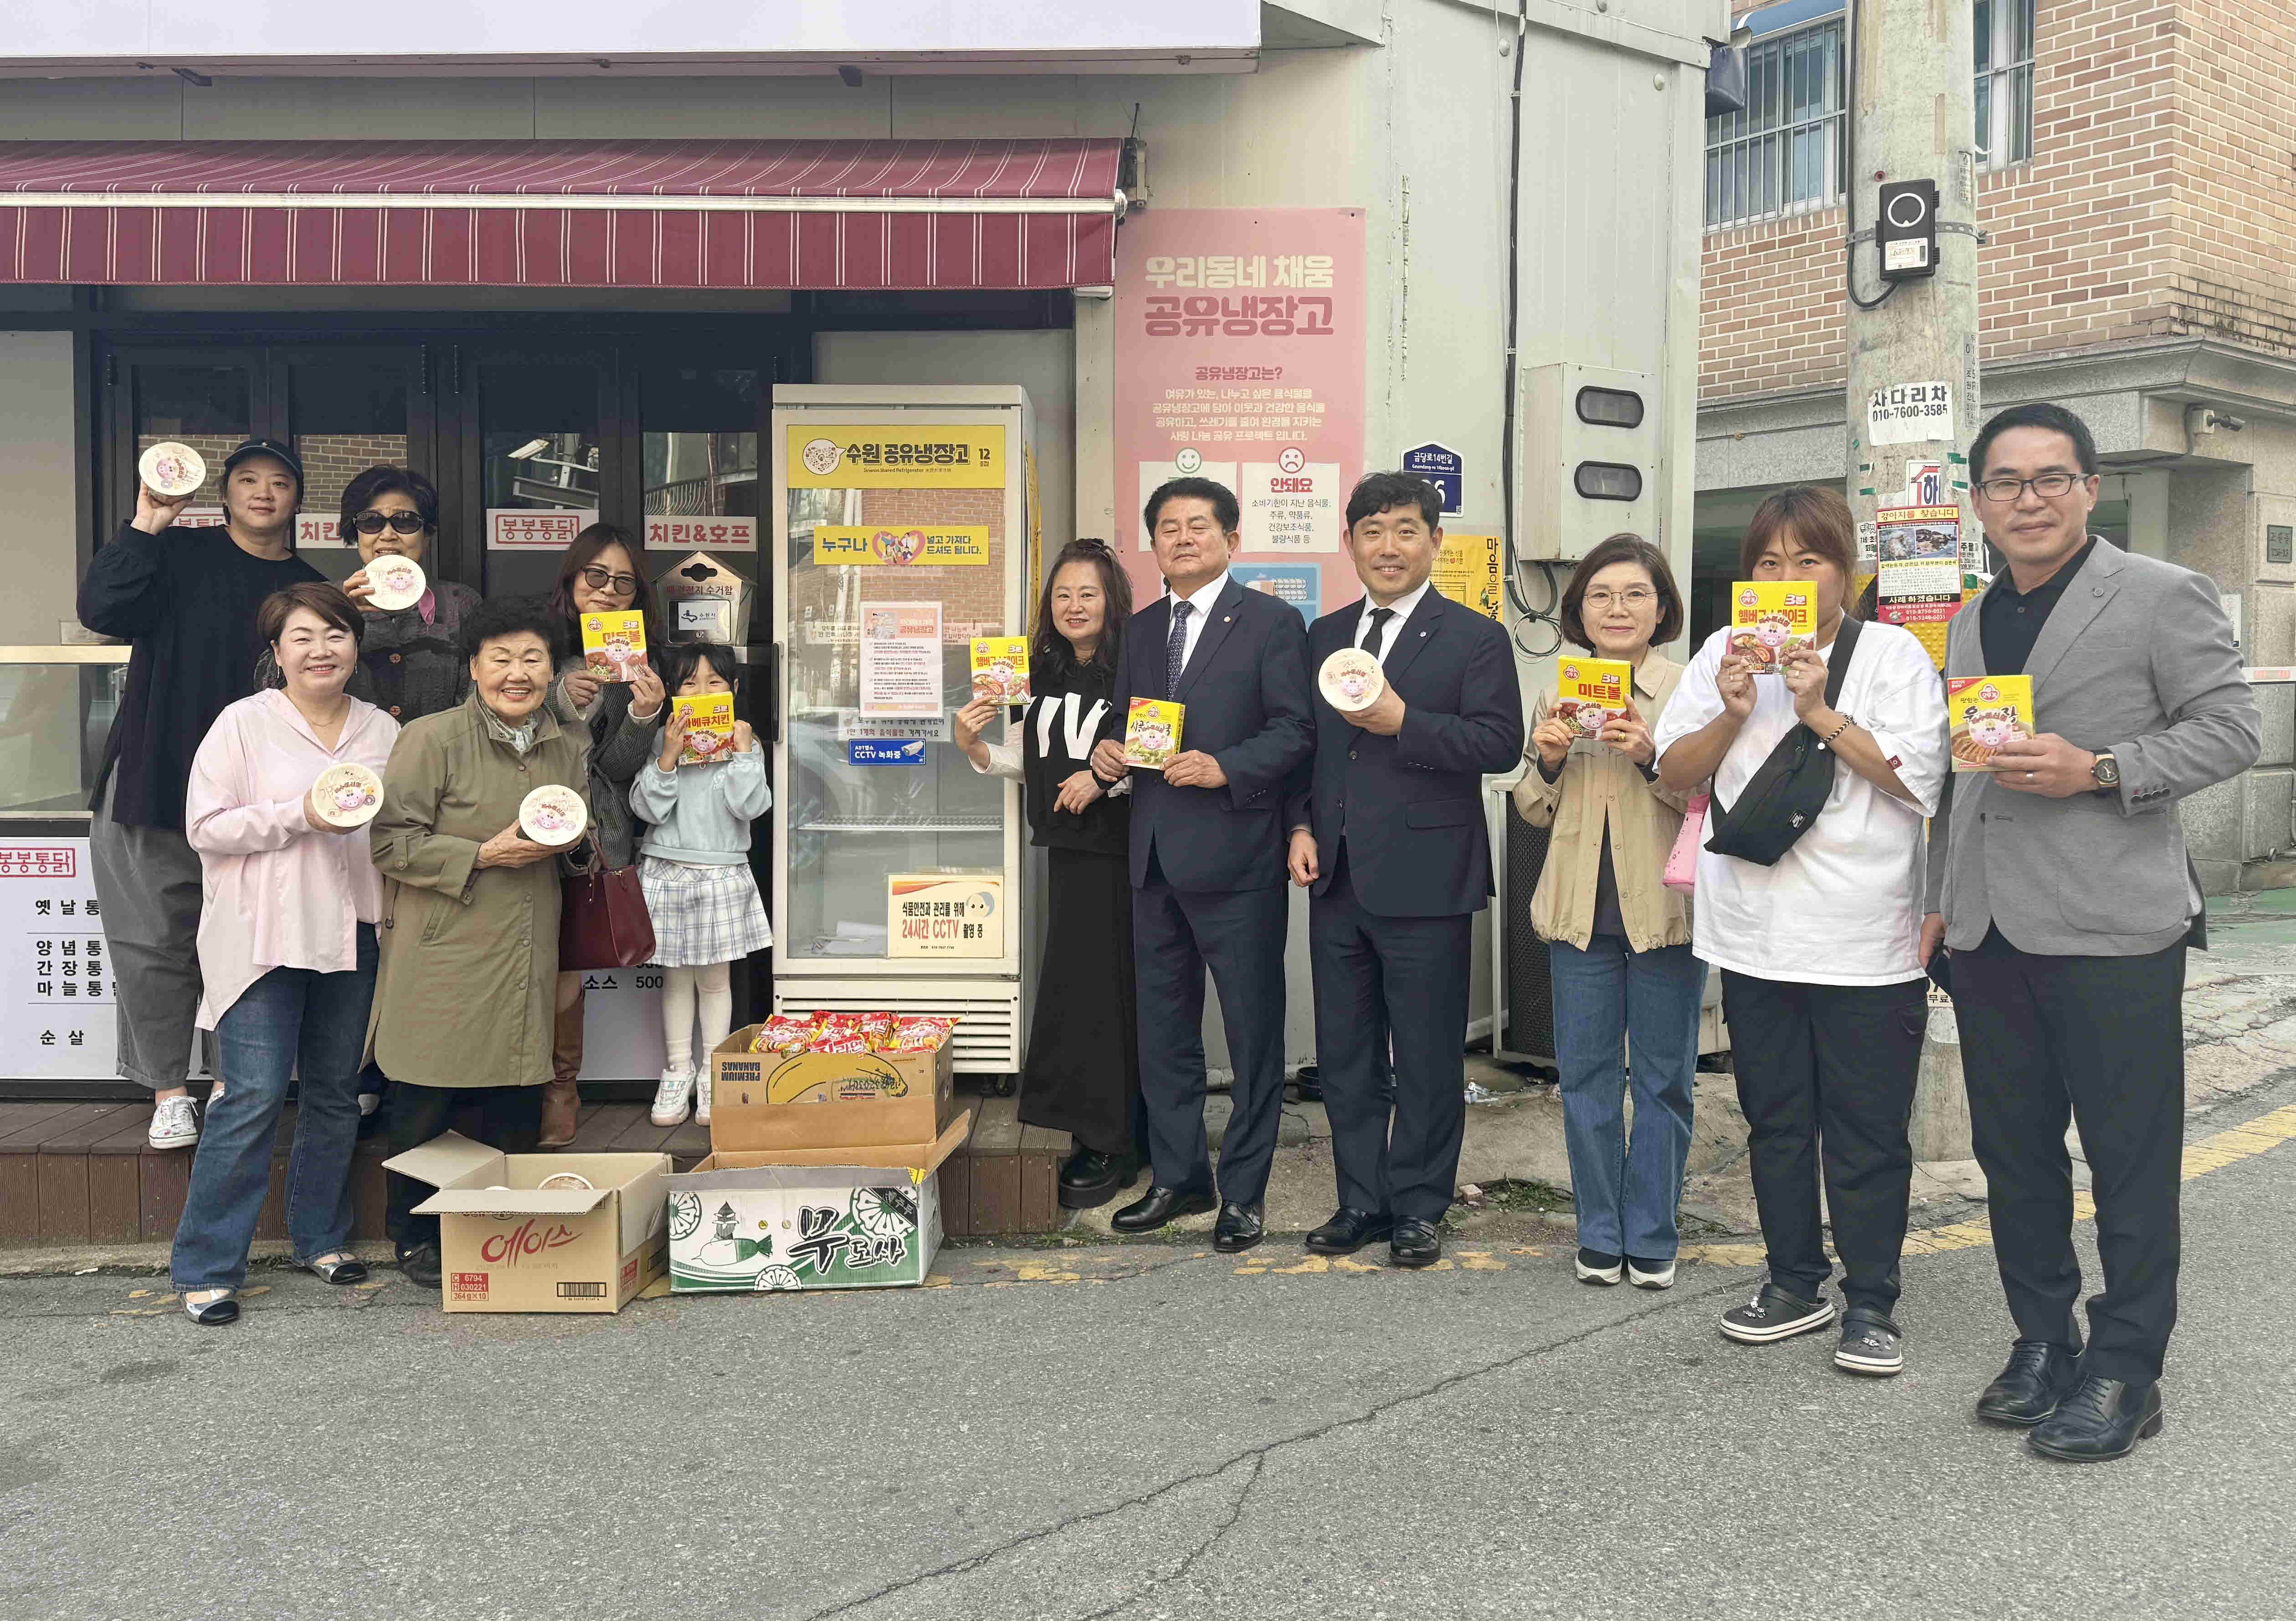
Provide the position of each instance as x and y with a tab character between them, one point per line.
903	530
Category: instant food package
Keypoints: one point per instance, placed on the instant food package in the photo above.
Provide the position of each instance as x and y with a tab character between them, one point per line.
826	1131
1591	693
1152	732
613	644
708	727
1000	668
1985	713
1769	618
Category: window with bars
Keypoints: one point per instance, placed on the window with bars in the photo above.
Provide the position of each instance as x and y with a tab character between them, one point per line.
1784	151
2004	35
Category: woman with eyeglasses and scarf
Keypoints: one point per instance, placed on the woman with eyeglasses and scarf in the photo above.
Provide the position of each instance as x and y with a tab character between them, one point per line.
413	655
600	575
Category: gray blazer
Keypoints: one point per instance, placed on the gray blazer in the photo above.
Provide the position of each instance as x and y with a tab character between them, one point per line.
2138	658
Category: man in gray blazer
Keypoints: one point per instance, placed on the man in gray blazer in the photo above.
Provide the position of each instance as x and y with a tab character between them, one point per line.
2060	886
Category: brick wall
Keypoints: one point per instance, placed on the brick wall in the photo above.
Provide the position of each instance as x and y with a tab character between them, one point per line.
330	462
2157	204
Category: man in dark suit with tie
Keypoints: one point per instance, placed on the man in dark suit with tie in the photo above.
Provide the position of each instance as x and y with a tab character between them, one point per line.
1208	857
1387	833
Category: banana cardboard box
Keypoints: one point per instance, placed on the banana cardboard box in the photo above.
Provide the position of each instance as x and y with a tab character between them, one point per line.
765	1100
757	1221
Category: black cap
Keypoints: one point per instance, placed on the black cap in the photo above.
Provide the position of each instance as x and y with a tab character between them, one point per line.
271	448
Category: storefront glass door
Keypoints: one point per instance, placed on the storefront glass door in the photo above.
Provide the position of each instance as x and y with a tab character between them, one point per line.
539	466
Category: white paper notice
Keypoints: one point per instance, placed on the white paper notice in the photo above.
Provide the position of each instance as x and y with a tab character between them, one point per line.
1910	414
901	659
57	964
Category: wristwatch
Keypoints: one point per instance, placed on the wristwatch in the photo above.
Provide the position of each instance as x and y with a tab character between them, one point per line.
2107	772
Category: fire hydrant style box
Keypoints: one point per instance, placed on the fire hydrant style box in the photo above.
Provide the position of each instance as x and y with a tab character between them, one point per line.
806	1218
828	1100
518	1232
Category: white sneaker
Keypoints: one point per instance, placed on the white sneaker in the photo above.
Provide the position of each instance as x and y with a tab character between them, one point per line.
175	1123
669	1099
702	1096
1660	1277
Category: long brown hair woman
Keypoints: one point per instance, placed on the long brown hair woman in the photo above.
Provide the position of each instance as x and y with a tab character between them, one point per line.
1083	1071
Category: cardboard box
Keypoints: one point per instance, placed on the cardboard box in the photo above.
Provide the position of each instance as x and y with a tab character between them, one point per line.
808	1218
506	1244
762	1101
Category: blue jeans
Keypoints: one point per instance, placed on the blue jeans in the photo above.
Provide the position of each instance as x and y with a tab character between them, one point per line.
289	1016
1605	996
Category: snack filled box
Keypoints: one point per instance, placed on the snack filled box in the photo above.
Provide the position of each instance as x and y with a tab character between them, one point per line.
809	1219
540	1232
832	1081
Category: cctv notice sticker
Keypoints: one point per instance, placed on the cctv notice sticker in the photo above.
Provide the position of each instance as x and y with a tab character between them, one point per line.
940	914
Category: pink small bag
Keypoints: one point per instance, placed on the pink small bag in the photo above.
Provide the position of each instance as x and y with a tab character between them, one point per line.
1682	861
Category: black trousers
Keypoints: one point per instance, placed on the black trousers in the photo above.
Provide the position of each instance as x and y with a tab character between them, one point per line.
1825	1077
1177	933
1390	1043
1084	1041
509	1118
2100	1040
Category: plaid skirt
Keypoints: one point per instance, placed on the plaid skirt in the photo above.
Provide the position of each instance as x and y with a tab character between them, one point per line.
702	915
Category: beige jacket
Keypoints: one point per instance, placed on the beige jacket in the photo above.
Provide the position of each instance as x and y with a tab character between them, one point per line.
1594	790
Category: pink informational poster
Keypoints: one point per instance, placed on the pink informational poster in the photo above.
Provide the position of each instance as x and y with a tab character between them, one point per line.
1240	358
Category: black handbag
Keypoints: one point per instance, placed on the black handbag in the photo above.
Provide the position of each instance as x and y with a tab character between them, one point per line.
1788	789
603	922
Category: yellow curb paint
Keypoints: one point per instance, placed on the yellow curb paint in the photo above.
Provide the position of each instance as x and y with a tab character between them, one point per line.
1311	1264
937	1280
1348	1264
1479	1260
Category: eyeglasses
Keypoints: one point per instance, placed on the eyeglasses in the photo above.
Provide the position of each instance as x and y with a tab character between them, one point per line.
1633	596
373	522
604	579
2049	486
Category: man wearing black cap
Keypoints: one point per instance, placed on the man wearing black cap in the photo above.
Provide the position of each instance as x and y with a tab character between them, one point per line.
186	597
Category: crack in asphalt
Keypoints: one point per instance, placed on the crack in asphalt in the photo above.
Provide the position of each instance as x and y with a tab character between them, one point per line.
1257	1456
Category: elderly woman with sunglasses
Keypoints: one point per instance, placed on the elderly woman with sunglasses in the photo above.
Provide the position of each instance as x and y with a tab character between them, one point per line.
600	575
412	656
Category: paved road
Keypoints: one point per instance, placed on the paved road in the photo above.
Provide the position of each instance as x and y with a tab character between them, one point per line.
1135	1433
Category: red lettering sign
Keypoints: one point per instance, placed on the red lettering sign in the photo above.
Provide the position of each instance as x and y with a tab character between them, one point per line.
529	1237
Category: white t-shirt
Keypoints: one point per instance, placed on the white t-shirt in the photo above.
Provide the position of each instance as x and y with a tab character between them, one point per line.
1844	906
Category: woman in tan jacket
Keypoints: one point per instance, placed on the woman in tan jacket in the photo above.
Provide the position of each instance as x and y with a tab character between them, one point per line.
1618	939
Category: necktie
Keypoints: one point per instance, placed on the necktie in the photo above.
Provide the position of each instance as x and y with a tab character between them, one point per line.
1175	651
1377	634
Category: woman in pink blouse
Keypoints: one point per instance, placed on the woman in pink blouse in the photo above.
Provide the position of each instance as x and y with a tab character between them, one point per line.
287	951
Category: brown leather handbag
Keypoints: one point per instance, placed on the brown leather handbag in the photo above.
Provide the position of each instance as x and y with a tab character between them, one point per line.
603	922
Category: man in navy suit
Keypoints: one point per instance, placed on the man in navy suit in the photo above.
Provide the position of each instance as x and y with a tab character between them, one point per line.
1387	833
1208	857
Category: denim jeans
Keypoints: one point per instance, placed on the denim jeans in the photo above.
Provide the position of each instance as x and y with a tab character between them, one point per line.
1605	997
289	1017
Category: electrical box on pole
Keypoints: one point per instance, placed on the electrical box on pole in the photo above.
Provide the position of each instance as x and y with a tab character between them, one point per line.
1907	231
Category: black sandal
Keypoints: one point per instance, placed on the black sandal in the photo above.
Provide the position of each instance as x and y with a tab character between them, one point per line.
337	1266
215	1313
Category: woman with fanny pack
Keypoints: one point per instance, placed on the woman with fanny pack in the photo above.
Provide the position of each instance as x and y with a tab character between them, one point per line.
1809	900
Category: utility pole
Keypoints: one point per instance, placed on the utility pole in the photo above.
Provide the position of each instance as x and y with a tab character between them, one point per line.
1912	73
1911	327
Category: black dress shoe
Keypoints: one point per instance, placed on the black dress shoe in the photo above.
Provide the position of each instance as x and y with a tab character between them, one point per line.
1348	1230
1239	1227
2100	1419
420	1264
2037	1378
1090	1179
1416	1243
1162	1204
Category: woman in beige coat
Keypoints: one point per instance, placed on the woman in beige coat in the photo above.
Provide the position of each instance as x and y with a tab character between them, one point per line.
1618	939
464	997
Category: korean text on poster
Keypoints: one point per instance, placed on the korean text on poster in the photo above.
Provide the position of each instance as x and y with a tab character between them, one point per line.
1240	343
57	965
899	545
901	659
955	455
945	915
1467	571
724	533
528	529
1909	414
1919	584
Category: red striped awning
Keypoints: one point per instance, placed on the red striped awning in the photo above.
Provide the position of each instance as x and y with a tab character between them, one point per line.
816	214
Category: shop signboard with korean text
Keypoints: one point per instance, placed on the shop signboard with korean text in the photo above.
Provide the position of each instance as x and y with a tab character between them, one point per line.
56	965
726	532
1239	359
534	528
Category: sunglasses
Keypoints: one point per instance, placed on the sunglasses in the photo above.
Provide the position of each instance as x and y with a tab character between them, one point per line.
603	579
373	522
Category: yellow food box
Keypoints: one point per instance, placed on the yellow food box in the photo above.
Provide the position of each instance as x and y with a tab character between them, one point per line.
1769	618
1152	732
